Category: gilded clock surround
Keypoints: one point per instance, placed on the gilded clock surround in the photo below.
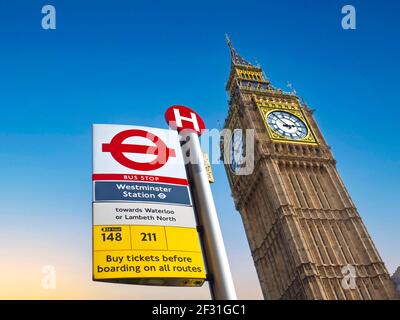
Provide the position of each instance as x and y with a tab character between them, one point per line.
308	139
267	105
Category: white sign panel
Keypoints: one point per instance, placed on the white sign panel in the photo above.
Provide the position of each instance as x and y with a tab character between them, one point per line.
143	214
137	153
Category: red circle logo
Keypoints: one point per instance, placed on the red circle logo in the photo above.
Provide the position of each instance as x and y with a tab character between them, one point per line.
117	150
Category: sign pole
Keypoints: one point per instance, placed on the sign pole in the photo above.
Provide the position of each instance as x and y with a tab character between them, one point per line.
190	125
221	284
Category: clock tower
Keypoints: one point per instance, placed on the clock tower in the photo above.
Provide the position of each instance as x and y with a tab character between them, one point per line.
306	237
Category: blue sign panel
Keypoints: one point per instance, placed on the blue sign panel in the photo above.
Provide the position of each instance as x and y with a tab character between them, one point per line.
141	192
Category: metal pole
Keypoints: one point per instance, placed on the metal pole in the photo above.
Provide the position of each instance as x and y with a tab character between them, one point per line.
221	284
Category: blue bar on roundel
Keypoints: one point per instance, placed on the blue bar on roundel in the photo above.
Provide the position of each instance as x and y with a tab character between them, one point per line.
141	192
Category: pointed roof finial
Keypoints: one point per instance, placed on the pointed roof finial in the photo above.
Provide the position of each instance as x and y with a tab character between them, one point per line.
236	59
290	86
228	41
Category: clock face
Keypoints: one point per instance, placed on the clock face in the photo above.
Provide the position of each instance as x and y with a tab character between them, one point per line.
287	125
237	151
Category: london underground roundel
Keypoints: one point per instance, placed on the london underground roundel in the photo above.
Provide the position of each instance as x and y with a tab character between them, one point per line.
117	149
120	149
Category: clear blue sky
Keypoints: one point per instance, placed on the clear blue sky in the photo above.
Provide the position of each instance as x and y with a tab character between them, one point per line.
125	62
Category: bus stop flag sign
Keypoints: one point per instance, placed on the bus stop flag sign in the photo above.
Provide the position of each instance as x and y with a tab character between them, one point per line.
144	228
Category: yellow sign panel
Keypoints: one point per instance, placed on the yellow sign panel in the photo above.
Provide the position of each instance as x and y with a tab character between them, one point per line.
155	255
148	238
116	237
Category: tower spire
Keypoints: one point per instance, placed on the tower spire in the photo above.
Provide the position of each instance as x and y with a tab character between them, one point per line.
236	59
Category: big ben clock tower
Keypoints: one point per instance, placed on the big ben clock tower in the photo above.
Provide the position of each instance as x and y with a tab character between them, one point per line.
306	237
